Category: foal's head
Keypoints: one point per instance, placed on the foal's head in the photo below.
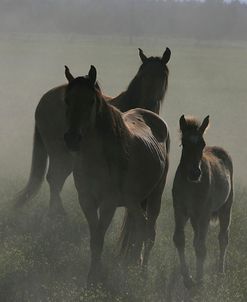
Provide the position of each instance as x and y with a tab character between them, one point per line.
152	77
193	144
81	106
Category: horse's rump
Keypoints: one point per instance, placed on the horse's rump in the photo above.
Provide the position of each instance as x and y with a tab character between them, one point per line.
144	122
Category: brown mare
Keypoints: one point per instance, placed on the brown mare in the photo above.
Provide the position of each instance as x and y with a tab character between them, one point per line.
146	90
121	159
202	189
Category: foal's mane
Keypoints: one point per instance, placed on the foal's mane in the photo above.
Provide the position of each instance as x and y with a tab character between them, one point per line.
192	123
134	86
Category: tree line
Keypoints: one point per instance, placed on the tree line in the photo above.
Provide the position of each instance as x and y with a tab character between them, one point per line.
211	19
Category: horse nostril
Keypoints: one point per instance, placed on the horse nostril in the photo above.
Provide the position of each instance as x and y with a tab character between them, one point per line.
195	174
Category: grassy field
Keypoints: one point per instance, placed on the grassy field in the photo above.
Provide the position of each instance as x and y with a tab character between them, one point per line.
42	259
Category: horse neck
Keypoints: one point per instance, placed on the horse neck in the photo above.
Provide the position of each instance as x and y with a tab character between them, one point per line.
133	98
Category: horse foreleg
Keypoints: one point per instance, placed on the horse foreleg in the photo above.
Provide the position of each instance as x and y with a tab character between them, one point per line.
200	247
90	211
106	212
225	220
179	241
59	170
98	226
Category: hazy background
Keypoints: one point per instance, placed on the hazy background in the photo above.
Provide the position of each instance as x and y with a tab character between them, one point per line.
208	72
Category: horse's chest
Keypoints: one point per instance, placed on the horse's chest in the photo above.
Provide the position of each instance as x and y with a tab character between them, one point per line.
94	178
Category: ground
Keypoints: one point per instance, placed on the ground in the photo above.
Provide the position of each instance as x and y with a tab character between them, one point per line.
46	259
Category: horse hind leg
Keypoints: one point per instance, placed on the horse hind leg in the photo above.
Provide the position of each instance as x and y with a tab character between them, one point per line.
153	206
152	213
135	245
224	220
59	169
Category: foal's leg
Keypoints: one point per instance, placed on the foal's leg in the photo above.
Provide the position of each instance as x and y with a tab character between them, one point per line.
225	220
201	230
59	169
179	241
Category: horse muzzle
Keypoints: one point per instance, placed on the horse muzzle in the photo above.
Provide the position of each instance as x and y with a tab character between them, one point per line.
195	175
73	141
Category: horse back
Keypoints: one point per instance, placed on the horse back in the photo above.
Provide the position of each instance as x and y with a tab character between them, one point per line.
221	171
146	123
50	114
219	158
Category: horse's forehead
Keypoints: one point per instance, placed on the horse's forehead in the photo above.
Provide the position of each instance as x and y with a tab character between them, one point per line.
153	64
193	138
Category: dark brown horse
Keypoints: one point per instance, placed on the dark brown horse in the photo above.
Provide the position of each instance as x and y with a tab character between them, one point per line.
146	90
121	159
202	190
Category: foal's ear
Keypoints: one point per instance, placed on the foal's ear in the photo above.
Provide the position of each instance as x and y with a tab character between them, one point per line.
166	55
92	75
142	56
204	124
182	123
68	75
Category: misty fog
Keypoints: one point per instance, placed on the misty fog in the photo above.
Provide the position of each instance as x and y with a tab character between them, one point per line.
208	70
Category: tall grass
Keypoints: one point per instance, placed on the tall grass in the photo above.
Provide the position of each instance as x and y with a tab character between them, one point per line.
47	259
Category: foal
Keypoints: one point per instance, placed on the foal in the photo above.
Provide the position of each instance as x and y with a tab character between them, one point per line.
202	189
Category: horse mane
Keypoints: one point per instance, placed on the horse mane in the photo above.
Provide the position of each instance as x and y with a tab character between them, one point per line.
133	90
113	131
83	81
192	123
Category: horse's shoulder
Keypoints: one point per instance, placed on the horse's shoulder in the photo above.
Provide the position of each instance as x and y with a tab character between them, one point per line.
141	118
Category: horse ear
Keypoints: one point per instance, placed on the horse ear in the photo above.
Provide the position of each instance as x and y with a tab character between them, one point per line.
182	123
204	124
68	75
142	56
166	56
92	75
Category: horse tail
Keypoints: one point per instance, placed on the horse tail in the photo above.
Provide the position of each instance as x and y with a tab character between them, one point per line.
38	168
127	236
214	219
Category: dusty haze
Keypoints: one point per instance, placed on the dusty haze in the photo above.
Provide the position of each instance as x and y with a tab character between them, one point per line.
43	260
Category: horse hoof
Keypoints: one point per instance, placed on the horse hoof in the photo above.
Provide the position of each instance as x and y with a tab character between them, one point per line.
188	282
